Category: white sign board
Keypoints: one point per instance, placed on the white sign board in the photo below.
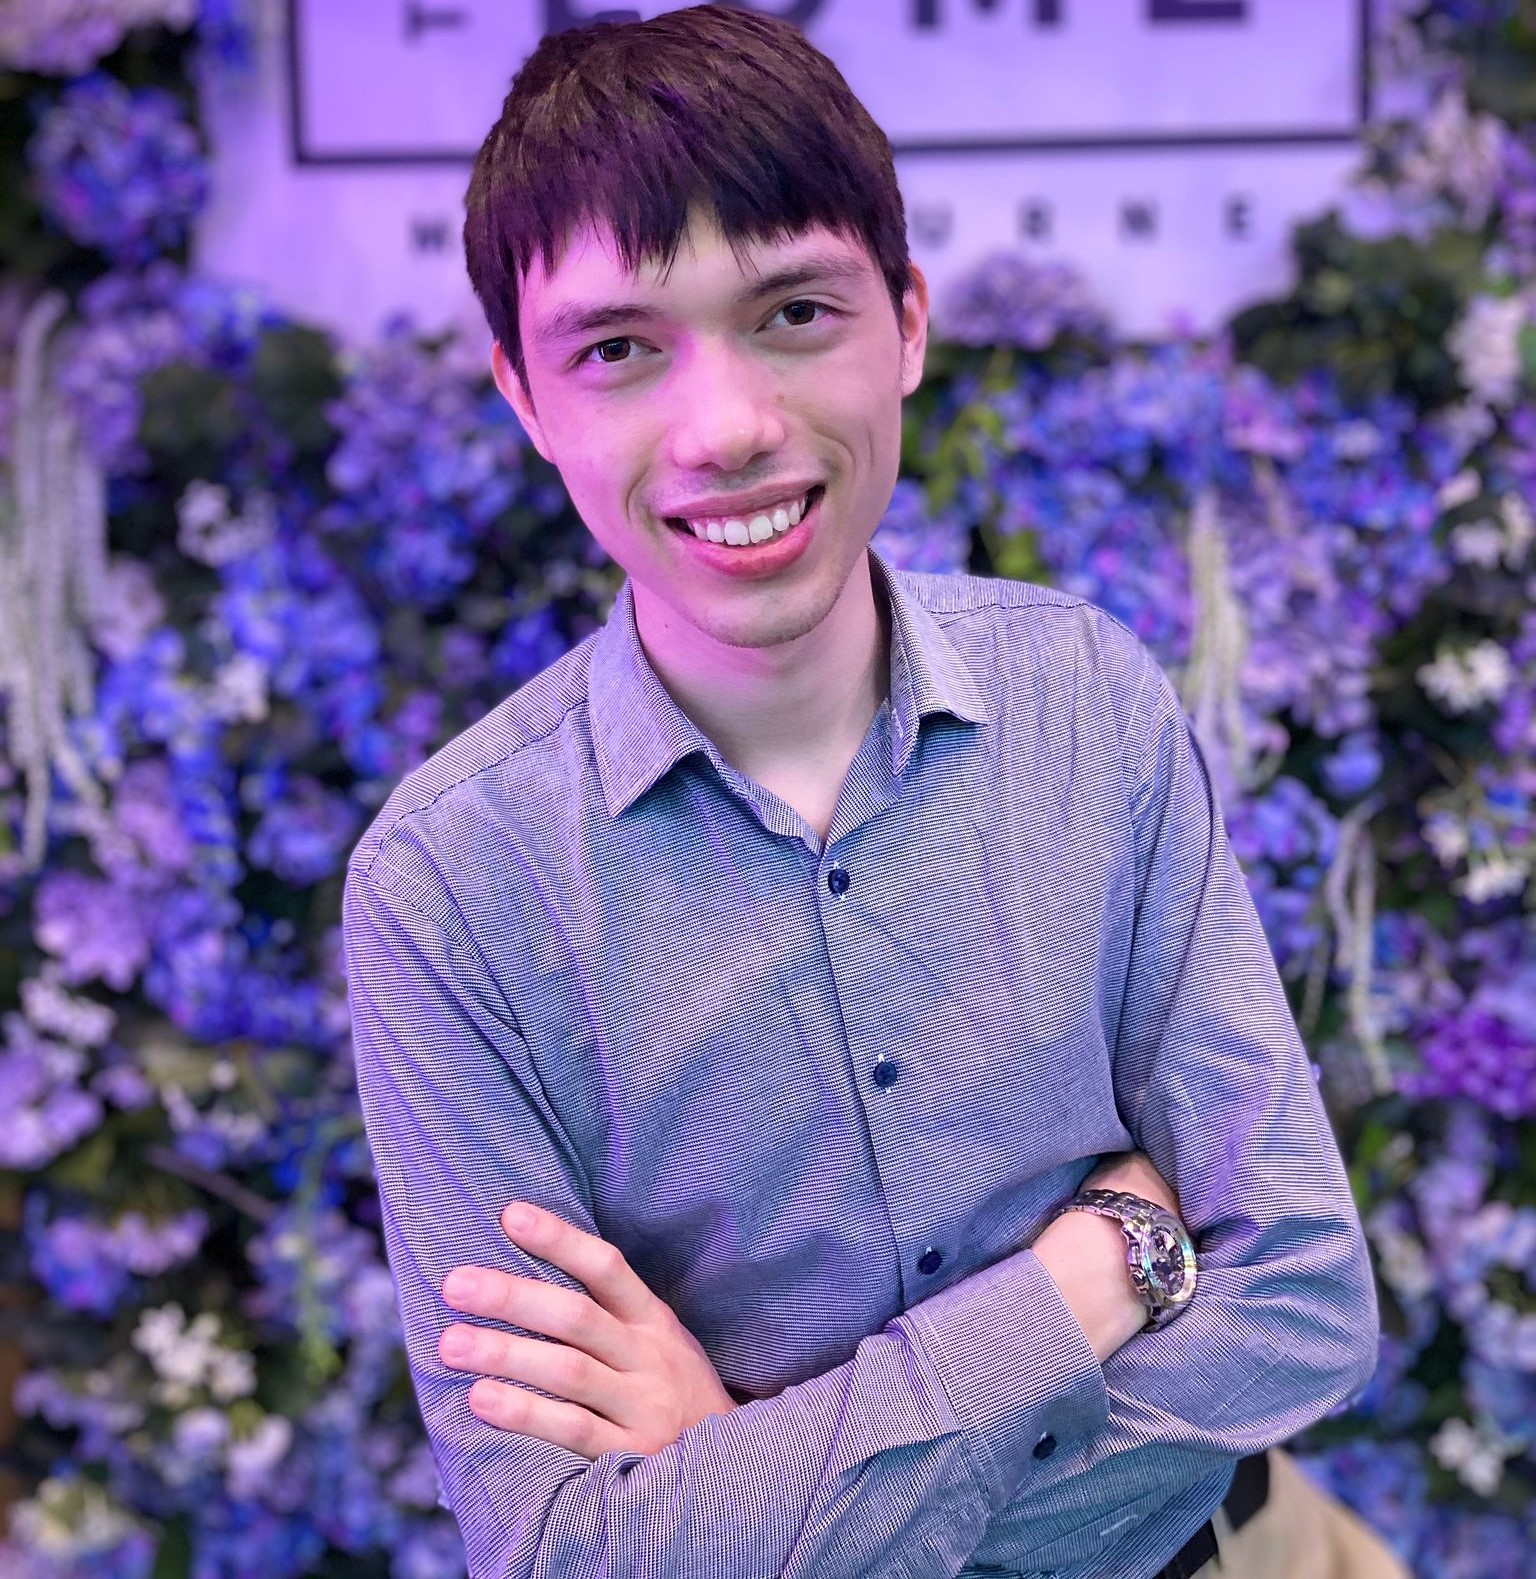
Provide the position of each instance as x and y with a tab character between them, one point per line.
1166	147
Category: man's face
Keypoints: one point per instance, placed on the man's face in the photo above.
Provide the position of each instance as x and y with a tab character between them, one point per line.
727	392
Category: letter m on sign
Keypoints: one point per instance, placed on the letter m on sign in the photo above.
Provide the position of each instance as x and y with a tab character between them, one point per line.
929	13
1197	10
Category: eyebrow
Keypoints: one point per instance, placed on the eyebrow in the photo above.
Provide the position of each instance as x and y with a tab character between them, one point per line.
576	319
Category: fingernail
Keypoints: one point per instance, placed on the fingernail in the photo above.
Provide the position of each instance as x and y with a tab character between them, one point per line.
517	1219
461	1286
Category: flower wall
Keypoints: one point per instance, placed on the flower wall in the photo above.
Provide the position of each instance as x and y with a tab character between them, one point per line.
247	582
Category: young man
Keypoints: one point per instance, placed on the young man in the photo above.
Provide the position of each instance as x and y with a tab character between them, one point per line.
797	946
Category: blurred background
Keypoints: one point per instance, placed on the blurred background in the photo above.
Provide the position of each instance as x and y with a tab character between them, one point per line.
1235	306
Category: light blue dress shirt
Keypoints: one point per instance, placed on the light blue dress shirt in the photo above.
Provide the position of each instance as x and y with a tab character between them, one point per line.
820	1094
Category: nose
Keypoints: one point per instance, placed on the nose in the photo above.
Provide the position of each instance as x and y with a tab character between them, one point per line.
725	413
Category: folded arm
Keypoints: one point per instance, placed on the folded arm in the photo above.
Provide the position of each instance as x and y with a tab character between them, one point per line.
892	1462
1215	1086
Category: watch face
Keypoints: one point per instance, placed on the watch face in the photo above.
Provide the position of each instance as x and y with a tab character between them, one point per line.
1167	1257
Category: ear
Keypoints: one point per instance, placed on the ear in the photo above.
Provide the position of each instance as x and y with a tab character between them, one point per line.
517	397
914	331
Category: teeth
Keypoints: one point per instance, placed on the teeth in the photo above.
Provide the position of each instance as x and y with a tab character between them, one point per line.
758	530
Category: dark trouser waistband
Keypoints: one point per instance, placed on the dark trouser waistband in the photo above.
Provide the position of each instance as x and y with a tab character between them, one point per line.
1248	1493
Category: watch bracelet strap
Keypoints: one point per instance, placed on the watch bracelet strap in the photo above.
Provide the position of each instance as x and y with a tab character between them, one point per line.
1102	1203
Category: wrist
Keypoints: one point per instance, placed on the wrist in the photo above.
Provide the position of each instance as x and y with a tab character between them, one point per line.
1085	1257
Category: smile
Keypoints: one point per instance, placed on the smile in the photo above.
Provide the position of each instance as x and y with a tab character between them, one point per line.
744	532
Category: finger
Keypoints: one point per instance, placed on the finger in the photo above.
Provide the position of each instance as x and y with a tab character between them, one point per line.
555	1367
564	1424
562	1313
595	1263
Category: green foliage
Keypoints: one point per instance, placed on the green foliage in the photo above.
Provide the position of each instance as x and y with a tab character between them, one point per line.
1376	313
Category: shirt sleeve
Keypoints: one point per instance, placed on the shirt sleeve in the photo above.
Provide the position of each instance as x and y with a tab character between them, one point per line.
1214	1084
892	1462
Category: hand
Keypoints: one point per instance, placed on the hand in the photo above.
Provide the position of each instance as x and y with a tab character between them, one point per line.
636	1378
1085	1255
1133	1171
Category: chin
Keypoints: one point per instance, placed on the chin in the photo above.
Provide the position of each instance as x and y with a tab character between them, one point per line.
787	621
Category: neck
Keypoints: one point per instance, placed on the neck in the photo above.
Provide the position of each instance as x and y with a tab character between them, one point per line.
797	705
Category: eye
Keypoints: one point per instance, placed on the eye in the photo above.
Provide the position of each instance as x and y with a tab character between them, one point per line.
622	343
804	306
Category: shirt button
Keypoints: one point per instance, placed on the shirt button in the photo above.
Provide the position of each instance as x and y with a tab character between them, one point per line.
1045	1446
886	1071
838	880
930	1261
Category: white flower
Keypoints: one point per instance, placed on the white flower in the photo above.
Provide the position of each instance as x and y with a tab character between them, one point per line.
1506	538
203	506
1466	425
238	693
70	1519
188	1357
1461	489
1486	345
1460	681
231	1374
53	1011
1403	1262
1493	879
68	37
1476	1456
1460	156
210	533
1447	838
252	1460
158	1329
1478	543
1519	528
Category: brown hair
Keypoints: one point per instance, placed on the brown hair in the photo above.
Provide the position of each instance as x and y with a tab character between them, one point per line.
627	124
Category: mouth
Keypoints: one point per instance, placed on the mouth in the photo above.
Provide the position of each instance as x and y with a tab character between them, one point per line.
752	534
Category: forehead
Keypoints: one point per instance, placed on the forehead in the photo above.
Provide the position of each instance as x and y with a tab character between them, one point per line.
590	273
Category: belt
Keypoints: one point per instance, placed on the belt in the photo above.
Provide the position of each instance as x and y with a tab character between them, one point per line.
1248	1493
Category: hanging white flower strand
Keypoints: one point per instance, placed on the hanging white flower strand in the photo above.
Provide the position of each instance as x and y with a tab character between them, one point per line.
1212	681
53	549
1350	891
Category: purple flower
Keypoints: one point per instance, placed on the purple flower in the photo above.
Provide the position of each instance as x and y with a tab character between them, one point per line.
912	537
1354	767
144	838
96	929
46	1111
1486	1047
87	1264
1010	299
129	609
305	834
526	646
118	169
1283	838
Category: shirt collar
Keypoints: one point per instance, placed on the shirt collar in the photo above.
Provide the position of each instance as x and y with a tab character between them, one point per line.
639	732
927	674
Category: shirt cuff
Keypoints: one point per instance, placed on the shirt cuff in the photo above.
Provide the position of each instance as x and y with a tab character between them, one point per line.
1020	1373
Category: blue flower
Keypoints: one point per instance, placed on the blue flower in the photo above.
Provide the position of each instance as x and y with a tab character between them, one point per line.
118	169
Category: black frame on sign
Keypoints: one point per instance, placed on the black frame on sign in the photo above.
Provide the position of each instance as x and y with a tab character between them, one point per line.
444	14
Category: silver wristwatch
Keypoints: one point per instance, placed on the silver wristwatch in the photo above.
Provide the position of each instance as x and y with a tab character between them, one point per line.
1158	1249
